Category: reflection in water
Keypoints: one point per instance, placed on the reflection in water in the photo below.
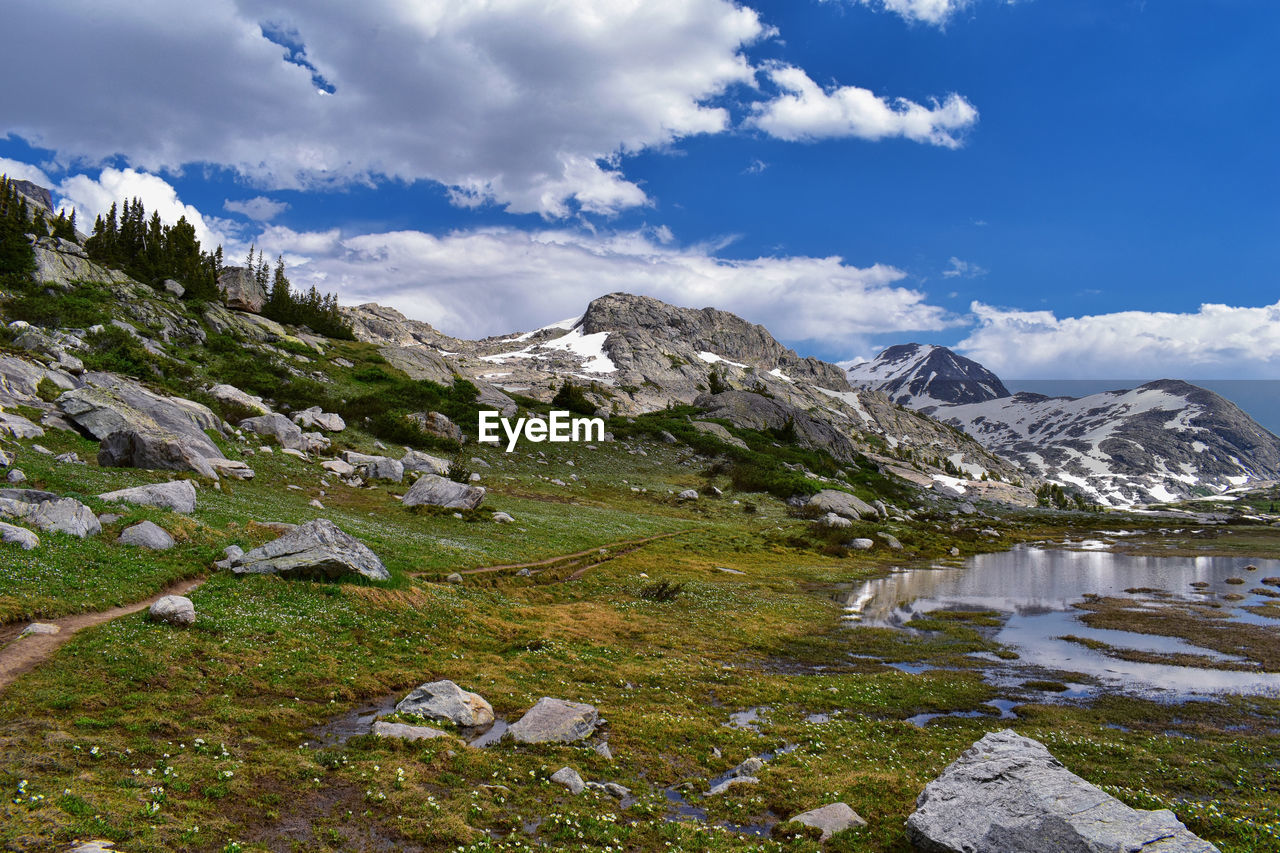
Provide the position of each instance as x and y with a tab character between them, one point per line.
1037	590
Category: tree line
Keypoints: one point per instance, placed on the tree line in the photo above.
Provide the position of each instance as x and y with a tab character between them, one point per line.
285	305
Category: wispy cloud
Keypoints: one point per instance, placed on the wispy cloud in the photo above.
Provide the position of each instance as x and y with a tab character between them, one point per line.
963	269
259	209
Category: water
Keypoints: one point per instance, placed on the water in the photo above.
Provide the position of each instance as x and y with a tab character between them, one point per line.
1037	588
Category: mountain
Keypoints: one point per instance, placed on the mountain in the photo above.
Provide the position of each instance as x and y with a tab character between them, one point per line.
1162	441
923	377
634	354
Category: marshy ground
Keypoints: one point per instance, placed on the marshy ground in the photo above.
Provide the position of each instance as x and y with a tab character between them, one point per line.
206	739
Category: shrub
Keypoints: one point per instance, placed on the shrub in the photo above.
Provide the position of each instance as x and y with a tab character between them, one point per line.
660	591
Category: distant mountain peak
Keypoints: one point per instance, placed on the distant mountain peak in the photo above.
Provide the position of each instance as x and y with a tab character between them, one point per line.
923	377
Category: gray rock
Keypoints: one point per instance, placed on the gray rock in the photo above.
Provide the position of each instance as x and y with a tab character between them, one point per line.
1008	794
316	418
315	442
613	789
68	459
233	395
833	520
15	476
842	504
719	432
453	577
375	467
602	749
317	548
108	404
18	536
173	288
954	551
416	460
241	290
667	438
31	496
144	534
555	721
523	573
717	790
861	544
60	265
831	819
45	628
18	427
434	490
688	495
95	846
437	424
502	518
233	468
276	426
156	451
178	495
891	541
447	702
569	777
6	459
175	610
337	466
404	732
65	515
750	767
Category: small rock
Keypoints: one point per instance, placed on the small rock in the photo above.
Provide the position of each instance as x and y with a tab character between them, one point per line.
954	551
404	732
447	702
569	777
68	459
602	749
40	628
831	819
147	535
688	495
833	520
95	846
434	490
729	783
16	476
453	577
891	541
861	544
318	547
555	721
475	478
15	535
179	496
315	503
750	767
174	609
523	573
502	518
42	450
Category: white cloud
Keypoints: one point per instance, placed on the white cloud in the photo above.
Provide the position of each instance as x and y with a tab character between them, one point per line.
92	197
528	104
260	208
23	172
806	111
1216	341
963	269
498	280
935	12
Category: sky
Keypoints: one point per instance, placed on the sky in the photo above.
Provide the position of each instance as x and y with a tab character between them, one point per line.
1055	188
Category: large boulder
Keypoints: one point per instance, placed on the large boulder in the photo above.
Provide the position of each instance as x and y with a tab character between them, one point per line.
16	426
179	496
316	418
433	490
157	451
19	380
64	515
555	721
831	819
147	535
436	424
1008	794
315	549
109	403
842	504
447	702
719	432
276	426
20	536
416	460
232	395
241	290
175	610
375	467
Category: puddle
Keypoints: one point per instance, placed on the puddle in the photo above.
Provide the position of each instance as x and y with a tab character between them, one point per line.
351	724
492	736
749	719
818	718
912	668
1004	706
1037	590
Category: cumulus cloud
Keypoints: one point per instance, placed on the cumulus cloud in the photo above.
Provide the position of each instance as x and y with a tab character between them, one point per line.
23	172
806	111
260	208
91	197
963	269
1216	341
491	281
935	12
522	103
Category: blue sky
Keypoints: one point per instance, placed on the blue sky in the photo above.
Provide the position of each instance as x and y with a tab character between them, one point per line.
1072	189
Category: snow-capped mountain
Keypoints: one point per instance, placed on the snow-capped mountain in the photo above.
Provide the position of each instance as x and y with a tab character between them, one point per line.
923	377
1162	441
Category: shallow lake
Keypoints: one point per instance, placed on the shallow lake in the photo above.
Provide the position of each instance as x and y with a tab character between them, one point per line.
1036	588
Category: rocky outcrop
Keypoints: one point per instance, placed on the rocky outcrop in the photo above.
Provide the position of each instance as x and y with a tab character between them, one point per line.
315	549
61	515
375	467
16	426
20	380
433	490
241	290
64	264
108	403
232	395
436	424
842	504
175	610
156	450
147	535
315	418
922	377
755	411
719	432
416	460
419	363
179	496
276	426
1008	794
447	702
555	721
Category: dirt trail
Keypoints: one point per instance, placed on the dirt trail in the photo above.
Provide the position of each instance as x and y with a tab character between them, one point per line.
20	656
631	544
